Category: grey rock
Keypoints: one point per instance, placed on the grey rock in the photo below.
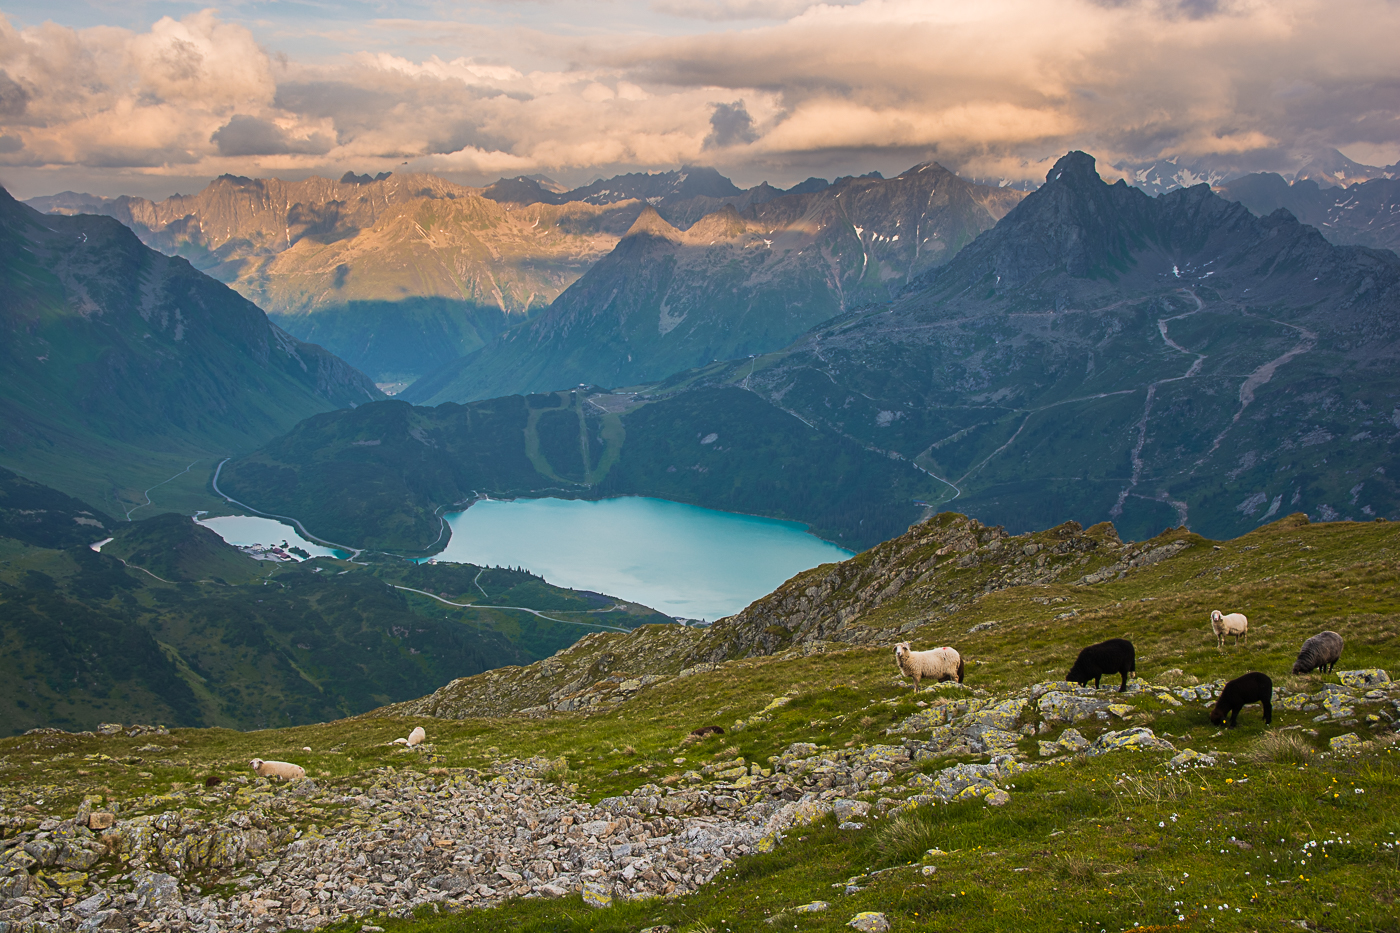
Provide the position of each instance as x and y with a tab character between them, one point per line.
156	890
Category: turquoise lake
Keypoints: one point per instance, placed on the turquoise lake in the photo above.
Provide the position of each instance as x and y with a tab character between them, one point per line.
683	560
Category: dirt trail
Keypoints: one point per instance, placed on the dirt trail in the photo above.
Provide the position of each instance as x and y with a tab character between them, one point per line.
1191	373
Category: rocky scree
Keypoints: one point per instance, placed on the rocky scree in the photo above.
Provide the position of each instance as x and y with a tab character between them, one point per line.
249	854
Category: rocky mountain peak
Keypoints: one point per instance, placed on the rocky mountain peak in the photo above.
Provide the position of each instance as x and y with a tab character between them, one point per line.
1074	168
724	223
650	223
703	181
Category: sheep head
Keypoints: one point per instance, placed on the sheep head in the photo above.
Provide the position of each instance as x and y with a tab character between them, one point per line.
901	656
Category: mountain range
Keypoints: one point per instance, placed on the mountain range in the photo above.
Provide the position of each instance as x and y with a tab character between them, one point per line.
1328	168
397	274
731	285
123	365
402	275
1093	354
1361	214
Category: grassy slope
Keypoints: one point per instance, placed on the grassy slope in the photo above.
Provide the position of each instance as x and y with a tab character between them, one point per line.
123	366
1107	842
170	624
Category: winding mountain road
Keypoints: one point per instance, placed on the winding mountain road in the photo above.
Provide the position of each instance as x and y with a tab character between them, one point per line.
354	551
611	628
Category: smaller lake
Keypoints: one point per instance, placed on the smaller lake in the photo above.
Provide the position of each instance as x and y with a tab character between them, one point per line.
681	559
245	530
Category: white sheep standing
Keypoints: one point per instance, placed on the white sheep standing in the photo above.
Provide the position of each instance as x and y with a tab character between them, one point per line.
939	664
1233	624
282	769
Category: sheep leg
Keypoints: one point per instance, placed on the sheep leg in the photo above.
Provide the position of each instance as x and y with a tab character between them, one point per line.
1234	716
1098	681
1268	713
1125	682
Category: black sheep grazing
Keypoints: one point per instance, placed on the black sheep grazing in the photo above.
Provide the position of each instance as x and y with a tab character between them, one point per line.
1115	656
1321	652
1253	687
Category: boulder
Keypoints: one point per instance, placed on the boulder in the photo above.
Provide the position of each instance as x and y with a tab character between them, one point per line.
155	890
1069	741
847	810
1140	738
1349	744
1190	758
596	894
1057	706
811	810
1337	706
869	921
1004	715
1368	677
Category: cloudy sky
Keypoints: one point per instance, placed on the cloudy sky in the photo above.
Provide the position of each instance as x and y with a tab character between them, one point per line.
124	96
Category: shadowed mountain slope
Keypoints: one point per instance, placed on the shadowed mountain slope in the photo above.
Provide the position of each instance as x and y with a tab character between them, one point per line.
1103	354
120	361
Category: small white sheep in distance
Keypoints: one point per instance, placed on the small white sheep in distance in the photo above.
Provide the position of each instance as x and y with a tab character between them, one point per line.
939	664
282	769
1233	624
416	737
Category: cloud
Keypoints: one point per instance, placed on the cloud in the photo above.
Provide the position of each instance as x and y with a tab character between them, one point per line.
14	99
106	97
730	125
791	87
733	10
243	135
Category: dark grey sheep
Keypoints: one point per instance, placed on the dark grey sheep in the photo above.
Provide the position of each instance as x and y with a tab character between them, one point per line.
1253	687
1323	651
1115	656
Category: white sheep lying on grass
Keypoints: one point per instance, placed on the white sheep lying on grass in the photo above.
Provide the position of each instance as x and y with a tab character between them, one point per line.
1233	624
416	737
282	769
940	664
